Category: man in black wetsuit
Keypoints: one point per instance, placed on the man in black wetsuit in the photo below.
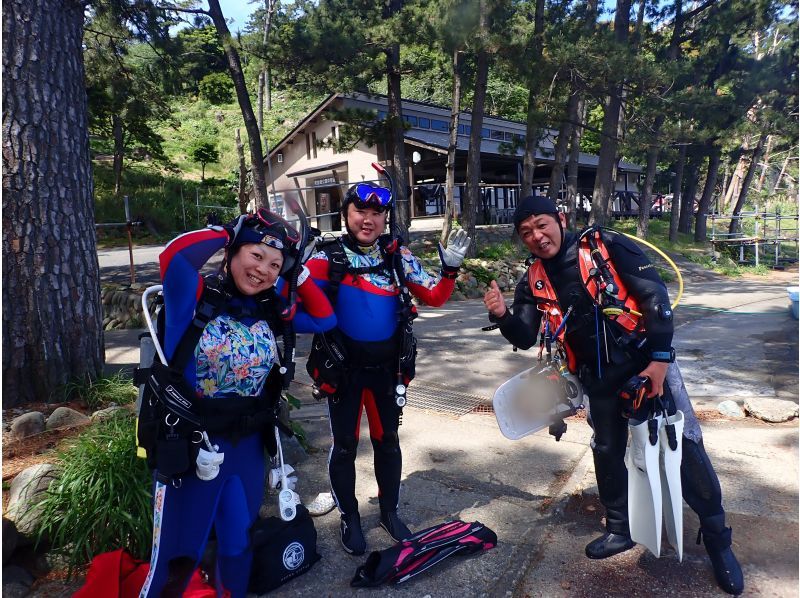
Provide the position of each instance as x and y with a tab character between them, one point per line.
605	354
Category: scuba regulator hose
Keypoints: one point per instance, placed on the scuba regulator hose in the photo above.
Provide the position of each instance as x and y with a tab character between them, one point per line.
613	311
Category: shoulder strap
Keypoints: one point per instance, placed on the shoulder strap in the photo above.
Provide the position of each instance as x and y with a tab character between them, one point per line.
210	304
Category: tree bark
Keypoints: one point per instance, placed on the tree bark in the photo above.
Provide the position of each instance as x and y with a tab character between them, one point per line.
470	203
675	209
242	95
450	168
572	166
700	226
52	313
688	196
646	196
748	178
533	124
562	145
607	157
241	193
399	162
119	152
764	164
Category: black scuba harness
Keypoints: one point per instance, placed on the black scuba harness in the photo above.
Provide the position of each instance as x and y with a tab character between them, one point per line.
173	421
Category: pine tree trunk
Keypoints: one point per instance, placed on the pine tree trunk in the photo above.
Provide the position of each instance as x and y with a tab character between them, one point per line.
469	203
675	209
700	226
533	125
450	168
242	190
572	165
688	195
119	152
52	314
646	196
560	150
243	96
748	178
607	157
402	187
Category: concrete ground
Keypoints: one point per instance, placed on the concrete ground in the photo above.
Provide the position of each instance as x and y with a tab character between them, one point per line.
735	339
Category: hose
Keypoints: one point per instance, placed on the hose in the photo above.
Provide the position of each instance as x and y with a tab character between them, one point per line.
667	258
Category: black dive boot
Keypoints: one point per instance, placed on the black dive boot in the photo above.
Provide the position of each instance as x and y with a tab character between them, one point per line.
394	526
608	545
352	536
717	539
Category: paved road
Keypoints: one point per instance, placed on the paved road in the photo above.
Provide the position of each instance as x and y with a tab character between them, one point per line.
735	338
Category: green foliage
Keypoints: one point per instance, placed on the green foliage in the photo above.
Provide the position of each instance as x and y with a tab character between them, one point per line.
101	501
102	392
204	152
217	88
500	251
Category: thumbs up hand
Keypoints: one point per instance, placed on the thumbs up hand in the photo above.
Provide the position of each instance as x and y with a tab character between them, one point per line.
494	302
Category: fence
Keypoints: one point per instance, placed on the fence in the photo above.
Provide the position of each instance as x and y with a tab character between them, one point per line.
769	231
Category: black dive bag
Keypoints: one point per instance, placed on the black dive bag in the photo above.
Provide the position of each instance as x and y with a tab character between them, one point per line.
282	550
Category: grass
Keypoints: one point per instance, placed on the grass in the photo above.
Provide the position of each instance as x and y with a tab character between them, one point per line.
101	500
699	253
102	392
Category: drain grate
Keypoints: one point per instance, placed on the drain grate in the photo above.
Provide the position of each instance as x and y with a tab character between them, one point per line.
428	395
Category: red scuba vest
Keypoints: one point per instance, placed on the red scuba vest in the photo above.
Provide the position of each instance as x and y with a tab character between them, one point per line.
617	308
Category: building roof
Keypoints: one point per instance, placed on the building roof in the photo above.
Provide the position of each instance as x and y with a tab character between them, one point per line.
438	140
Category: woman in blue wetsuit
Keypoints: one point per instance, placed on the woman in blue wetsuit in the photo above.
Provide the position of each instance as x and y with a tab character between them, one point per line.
360	272
232	373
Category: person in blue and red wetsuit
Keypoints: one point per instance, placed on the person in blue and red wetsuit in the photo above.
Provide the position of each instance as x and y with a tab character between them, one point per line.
369	278
224	328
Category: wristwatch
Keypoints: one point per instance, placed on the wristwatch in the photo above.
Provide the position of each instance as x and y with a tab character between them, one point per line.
663	356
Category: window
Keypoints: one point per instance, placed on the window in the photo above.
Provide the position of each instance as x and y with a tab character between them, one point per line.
485	133
314	143
497	135
509	136
280	157
439	125
424	123
381	115
412	120
308	146
467	129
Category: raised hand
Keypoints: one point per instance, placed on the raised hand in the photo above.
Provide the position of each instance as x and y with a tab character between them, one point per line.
453	254
494	301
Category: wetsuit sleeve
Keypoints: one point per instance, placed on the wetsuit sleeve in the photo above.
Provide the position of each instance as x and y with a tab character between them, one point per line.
641	279
520	324
180	265
431	290
314	311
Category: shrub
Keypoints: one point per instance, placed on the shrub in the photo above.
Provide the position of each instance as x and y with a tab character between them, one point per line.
101	501
217	88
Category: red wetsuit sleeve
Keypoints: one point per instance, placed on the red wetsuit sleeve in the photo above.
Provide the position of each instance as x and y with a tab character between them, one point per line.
436	296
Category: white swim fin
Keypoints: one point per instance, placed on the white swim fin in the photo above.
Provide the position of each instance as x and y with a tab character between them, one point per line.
671	453
644	484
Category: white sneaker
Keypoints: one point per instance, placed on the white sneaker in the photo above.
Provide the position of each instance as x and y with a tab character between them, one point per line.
321	505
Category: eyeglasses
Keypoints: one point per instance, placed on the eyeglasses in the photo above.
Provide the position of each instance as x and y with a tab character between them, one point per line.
371	195
271	221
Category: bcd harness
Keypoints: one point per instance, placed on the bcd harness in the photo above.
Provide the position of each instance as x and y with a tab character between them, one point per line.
173	421
329	358
601	281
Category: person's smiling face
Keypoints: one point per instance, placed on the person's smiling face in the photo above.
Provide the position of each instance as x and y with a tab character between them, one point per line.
255	268
541	234
365	224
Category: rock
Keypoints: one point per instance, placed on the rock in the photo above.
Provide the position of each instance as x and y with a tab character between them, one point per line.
26	490
27	424
63	417
10	538
457	296
771	410
731	409
108	412
16	574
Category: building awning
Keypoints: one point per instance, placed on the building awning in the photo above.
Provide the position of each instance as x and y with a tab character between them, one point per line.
314	169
